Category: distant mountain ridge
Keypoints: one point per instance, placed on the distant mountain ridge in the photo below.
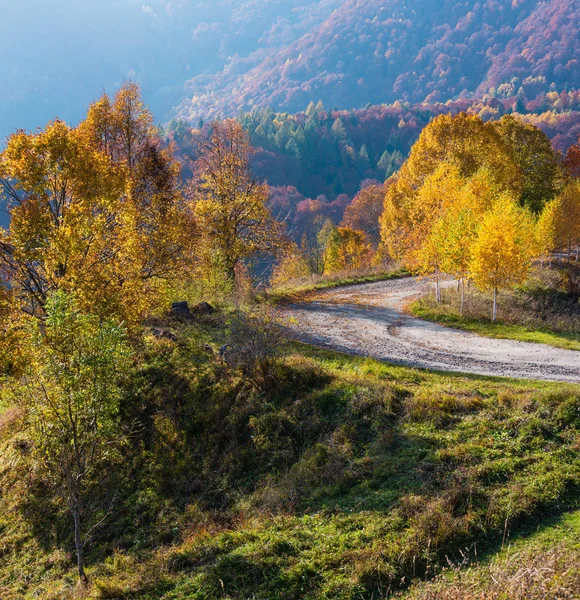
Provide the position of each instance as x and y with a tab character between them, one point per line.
381	51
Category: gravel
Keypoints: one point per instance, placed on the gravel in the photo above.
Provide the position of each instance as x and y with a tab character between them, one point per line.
368	320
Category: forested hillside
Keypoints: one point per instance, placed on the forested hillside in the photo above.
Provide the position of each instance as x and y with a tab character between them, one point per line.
195	58
187	410
316	161
372	51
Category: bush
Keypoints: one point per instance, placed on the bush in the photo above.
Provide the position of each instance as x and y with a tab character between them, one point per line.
252	349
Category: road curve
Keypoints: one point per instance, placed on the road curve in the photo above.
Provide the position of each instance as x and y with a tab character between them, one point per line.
368	320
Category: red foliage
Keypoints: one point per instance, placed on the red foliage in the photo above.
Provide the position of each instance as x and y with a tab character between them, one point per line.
376	51
572	161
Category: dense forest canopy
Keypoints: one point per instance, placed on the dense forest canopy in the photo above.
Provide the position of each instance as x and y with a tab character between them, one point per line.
195	58
317	160
376	51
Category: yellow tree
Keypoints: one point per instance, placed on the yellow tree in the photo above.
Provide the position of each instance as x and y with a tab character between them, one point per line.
95	210
537	162
121	128
567	219
503	251
460	226
347	250
460	221
463	142
62	198
546	229
157	229
405	230
292	266
430	256
229	204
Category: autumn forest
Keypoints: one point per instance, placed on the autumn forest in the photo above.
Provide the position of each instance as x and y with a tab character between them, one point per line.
312	332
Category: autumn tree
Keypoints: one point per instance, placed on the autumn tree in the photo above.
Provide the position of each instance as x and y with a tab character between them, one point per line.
323	238
460	222
229	204
363	213
503	251
572	161
157	229
459	226
290	267
532	152
465	145
406	230
546	229
94	209
347	250
71	396
62	198
430	256
567	219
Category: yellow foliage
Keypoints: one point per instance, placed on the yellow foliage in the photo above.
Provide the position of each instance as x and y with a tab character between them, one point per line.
545	233
450	151
567	218
347	250
292	266
229	205
95	210
503	251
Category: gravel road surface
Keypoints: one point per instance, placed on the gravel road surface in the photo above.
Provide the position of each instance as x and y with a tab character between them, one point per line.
368	320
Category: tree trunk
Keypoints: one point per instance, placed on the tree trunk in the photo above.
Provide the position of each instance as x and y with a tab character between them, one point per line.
79	546
231	274
437	288
462	296
494	316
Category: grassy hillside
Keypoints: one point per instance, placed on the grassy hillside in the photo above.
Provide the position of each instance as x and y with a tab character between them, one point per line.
299	474
541	562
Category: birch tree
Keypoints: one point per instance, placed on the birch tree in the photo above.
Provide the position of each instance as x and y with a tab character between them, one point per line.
503	251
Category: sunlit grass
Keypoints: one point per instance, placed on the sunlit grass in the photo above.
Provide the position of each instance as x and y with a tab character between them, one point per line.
567	340
363	477
299	290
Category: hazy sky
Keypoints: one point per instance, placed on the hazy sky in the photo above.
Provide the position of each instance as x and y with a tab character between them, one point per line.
58	55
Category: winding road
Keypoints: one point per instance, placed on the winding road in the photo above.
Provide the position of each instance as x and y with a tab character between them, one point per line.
369	320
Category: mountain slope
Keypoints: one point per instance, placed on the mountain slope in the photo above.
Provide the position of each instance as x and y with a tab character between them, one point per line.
376	51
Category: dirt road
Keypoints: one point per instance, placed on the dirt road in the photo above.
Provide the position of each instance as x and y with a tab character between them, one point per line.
368	320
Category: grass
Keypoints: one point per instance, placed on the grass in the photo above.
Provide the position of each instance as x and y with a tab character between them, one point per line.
328	477
539	563
541	311
297	291
567	340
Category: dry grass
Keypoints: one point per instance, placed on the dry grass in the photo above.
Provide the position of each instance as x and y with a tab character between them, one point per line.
297	289
541	311
9	418
553	574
